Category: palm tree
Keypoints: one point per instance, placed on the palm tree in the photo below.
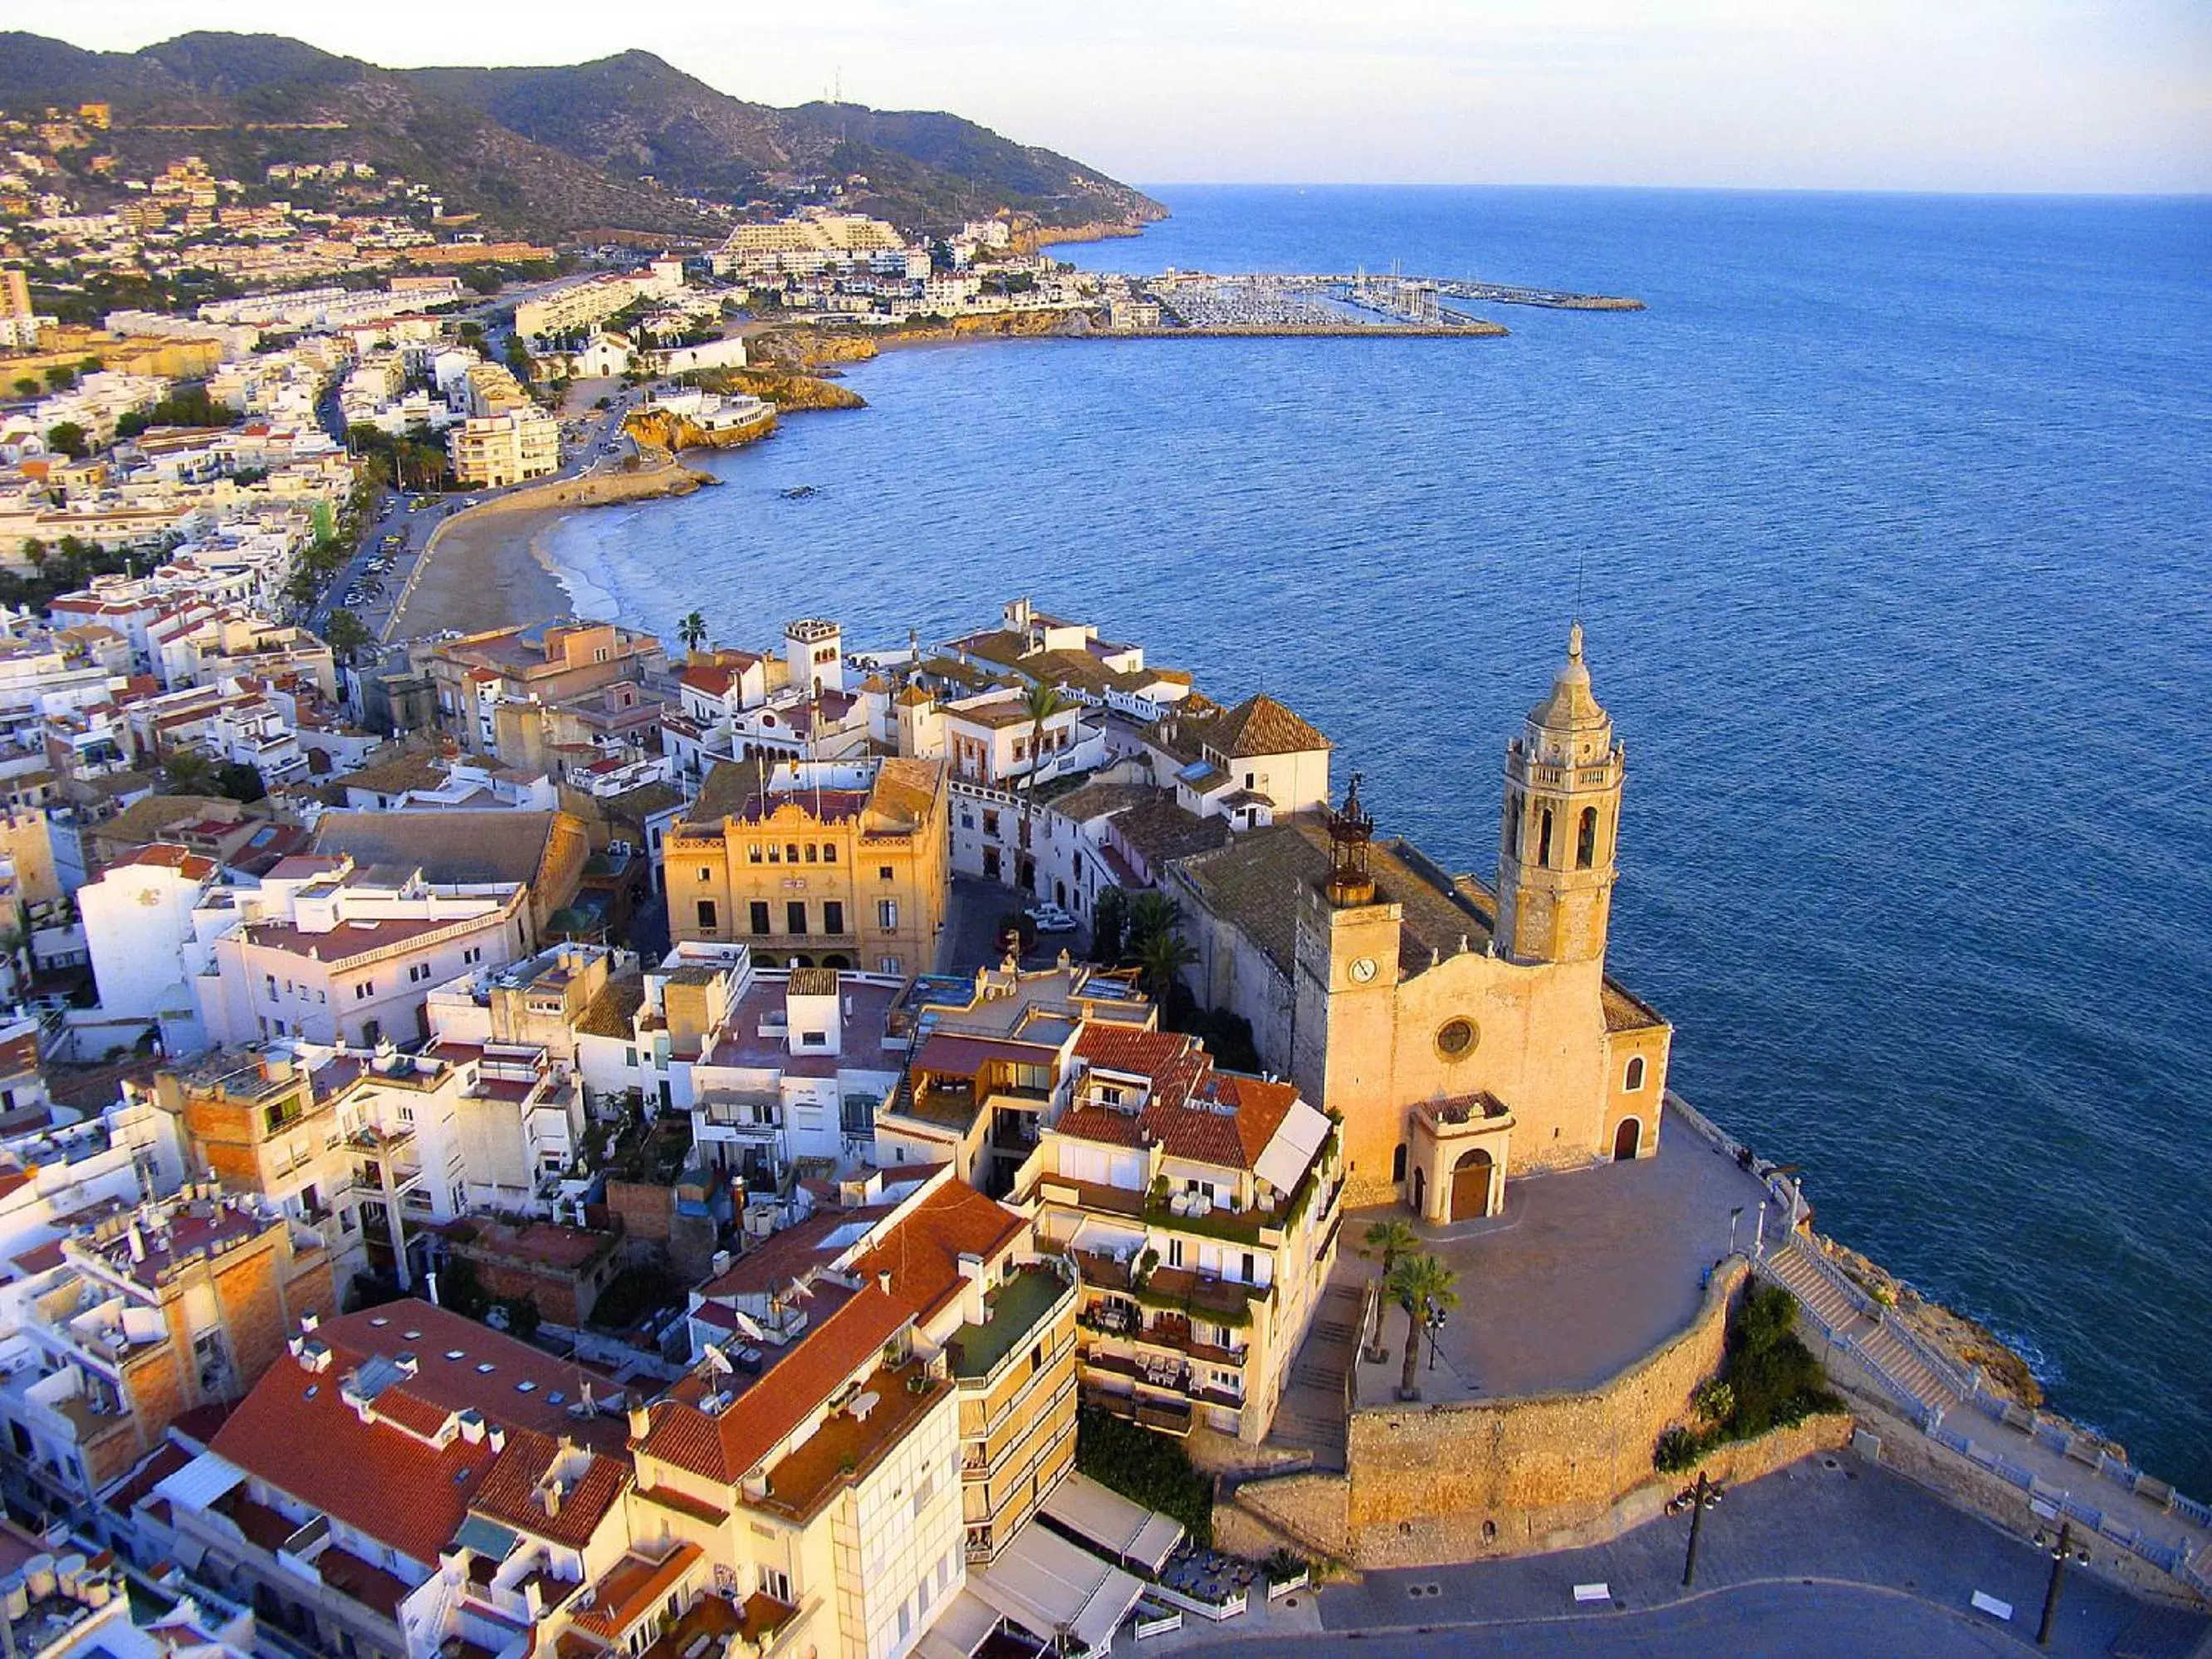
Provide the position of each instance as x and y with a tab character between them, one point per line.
1151	914
1419	1284
1041	702
1392	1239
1164	955
692	630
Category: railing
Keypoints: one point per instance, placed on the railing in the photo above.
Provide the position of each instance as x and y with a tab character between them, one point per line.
1943	1370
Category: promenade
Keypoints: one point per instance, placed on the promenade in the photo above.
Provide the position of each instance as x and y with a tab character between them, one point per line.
1830	1556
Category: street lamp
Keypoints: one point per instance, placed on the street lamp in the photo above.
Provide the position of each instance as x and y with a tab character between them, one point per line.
1432	1323
1698	1503
1734	1216
2061	1551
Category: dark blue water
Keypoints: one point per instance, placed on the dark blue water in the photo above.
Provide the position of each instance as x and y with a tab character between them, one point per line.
1891	516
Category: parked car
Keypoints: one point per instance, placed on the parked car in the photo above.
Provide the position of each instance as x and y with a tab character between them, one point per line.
1051	918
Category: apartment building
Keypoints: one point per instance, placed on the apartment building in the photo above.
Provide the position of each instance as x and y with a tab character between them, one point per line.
490	452
992	1061
332	951
1200	1208
135	1318
816	864
552	662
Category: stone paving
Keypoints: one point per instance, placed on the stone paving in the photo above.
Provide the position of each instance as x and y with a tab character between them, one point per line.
1584	1273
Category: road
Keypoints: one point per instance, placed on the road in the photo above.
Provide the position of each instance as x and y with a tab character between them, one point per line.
1829	1556
589	438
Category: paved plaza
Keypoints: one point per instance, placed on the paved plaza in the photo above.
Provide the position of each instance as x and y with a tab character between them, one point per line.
1583	1274
1830	1556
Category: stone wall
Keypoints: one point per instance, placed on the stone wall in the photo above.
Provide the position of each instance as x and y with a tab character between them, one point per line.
1500	1477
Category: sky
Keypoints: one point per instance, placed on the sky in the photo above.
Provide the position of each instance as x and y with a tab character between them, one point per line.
2057	95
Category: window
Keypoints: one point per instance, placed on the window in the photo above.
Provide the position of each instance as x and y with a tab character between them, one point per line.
364	991
1544	839
811	851
474	953
753	854
829	852
794	916
1398	1162
890	964
1586	839
775	854
1513	825
776	1585
271	979
759	917
706	872
833	917
1175	1253
887	914
1633	1080
883	872
990	822
706	915
630	1059
791	853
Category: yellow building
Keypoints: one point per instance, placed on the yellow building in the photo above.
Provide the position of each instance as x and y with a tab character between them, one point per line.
497	450
1462	1035
832	864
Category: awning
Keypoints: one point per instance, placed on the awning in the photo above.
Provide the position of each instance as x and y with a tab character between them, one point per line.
965	1626
200	1482
1283	1164
1049	1588
1126	1530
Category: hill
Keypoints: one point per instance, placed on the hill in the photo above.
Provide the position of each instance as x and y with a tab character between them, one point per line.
624	143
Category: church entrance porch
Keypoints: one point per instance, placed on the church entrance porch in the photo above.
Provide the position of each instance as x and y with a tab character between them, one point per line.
1456	1154
1471	1180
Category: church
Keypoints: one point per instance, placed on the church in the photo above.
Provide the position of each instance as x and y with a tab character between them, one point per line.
1464	1033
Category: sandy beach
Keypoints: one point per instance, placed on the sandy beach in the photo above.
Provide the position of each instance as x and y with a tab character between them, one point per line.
490	567
485	570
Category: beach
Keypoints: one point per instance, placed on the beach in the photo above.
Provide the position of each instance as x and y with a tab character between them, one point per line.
489	568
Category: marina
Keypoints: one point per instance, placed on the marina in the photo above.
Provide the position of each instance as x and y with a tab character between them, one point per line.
1360	303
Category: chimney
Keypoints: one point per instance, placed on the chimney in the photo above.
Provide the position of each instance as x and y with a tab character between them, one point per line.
495	1437
137	1243
551	1497
641	1424
310	1321
884	1281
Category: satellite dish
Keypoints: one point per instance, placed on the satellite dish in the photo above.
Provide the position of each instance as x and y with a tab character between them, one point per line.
717	1360
746	1325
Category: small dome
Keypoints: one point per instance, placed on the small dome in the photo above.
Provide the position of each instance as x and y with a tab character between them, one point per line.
1571	707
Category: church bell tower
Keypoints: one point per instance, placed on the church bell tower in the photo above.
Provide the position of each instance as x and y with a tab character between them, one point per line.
1555	856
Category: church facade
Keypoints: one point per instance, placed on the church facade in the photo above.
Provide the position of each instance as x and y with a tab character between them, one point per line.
1463	1035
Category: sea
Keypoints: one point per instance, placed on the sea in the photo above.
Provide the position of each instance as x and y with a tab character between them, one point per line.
1890	523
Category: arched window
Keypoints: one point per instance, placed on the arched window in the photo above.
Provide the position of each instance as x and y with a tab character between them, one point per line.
1513	826
1634	1080
1544	839
1398	1163
1586	840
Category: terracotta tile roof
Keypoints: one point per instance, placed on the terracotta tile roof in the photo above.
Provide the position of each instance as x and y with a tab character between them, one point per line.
1160	830
296	1431
1194	1112
727	1446
1260	725
1626	1012
922	1252
611	1011
514	1493
921	1255
451	846
187	864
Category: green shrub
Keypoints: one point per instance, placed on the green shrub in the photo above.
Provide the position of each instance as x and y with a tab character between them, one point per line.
1148	1468
1678	1448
